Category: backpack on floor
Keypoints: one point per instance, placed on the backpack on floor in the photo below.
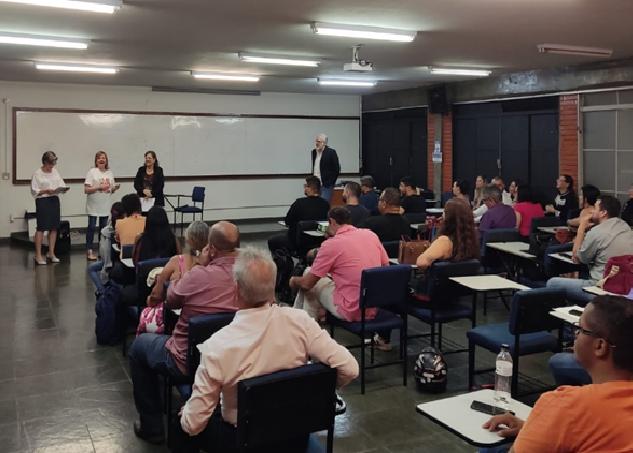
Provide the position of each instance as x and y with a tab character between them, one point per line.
62	246
110	315
285	266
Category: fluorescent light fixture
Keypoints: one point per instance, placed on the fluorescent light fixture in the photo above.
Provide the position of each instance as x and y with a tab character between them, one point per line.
24	39
225	77
347	83
461	72
75	68
574	50
99	6
359	31
274	60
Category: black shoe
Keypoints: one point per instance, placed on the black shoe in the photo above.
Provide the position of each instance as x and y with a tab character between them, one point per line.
155	439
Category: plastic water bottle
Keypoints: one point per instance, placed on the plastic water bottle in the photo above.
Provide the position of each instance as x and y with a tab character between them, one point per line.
503	376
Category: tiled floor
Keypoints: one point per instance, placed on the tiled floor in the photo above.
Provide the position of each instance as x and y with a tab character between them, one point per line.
60	392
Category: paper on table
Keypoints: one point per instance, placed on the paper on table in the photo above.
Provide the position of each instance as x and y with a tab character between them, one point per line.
147	204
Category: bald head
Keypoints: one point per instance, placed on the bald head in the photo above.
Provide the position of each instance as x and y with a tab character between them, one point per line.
224	236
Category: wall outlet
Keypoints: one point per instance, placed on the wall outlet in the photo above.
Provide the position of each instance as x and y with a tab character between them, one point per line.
6	175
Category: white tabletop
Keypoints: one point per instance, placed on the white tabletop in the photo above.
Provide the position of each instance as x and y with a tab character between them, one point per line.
455	414
487	283
282	223
563	313
513	248
564	259
396	262
599	291
552	229
116	247
415	226
435	210
314	233
127	262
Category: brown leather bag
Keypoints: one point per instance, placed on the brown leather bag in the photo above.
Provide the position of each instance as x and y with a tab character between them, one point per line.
410	250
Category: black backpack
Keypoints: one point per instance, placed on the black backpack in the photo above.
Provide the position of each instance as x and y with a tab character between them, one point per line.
110	315
285	266
62	246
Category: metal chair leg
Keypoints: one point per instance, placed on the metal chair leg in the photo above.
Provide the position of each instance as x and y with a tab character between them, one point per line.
362	366
471	365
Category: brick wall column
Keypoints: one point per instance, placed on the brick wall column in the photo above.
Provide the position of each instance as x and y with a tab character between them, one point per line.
568	151
447	150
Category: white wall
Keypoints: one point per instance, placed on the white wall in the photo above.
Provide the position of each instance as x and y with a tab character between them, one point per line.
225	199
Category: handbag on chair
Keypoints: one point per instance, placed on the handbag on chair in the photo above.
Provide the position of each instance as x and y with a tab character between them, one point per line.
618	275
410	250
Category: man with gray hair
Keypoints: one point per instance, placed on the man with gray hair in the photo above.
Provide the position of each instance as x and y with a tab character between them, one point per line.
325	166
263	338
498	215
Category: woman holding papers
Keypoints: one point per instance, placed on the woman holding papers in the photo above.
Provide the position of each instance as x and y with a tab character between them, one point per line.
149	181
98	187
46	184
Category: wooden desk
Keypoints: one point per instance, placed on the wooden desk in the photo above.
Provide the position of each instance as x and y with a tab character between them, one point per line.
563	258
395	261
600	292
563	313
337	197
127	262
552	229
314	233
512	248
484	283
455	415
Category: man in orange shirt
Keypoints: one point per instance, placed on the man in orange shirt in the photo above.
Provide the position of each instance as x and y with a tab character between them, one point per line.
594	417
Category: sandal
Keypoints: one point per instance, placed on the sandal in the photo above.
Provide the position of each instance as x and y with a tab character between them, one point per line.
52	258
40	262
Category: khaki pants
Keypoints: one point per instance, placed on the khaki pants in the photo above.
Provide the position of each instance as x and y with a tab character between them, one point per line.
320	296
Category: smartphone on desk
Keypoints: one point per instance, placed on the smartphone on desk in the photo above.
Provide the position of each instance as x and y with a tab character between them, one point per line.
488	409
575	312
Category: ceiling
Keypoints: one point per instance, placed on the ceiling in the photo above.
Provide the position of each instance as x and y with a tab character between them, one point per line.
157	42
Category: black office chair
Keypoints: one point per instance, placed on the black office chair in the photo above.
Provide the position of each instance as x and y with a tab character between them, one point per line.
385	288
285	406
527	331
134	297
440	303
392	248
201	327
197	196
415	217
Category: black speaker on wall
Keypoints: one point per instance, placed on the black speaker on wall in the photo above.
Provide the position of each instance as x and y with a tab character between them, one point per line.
438	101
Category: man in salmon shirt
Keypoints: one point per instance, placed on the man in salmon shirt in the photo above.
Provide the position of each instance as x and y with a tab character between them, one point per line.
343	257
595	417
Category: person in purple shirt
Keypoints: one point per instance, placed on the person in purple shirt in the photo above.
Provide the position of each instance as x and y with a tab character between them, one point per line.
498	214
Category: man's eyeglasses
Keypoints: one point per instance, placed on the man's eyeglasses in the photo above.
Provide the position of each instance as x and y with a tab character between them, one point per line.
578	329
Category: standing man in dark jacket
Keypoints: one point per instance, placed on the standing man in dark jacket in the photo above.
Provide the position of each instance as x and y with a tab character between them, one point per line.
325	166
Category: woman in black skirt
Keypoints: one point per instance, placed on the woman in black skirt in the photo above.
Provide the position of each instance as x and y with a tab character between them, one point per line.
46	184
149	180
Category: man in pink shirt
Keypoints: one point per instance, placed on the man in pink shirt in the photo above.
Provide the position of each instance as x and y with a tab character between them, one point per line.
263	338
207	288
343	258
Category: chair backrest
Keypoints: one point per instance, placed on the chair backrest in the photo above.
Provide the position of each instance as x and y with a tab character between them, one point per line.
441	289
201	327
386	286
392	248
127	251
446	196
304	242
143	268
530	310
548	221
499	235
197	196
285	405
415	217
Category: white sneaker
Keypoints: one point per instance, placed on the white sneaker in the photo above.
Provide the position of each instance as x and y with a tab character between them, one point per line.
53	259
341	406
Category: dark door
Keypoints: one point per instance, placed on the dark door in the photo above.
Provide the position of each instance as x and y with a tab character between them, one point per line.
515	145
544	153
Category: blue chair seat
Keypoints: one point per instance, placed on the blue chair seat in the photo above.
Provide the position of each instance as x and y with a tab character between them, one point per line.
384	320
492	336
444	314
185	391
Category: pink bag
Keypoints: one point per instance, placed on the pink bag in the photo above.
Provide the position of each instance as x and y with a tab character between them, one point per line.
151	320
618	275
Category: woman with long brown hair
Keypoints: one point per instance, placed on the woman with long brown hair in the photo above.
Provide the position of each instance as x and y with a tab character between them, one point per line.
457	239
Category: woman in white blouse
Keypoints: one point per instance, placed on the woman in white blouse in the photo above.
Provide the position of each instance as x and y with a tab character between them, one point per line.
46	184
99	185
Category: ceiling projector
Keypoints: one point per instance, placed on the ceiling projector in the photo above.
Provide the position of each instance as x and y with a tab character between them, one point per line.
358	65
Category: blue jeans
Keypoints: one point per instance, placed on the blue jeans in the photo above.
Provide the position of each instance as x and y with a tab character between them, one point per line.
567	371
149	359
90	231
500	449
326	193
94	271
573	288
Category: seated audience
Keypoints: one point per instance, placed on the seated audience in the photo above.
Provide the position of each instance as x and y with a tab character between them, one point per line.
411	202
369	197
589	195
208	288
566	200
512	190
526	209
611	237
99	270
196	239
498	215
595	417
506	198
457	238
263	338
627	212
343	257
351	195
480	183
460	191
128	229
157	240
310	207
391	225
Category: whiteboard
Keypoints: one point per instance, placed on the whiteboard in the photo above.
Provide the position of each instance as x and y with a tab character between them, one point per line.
187	145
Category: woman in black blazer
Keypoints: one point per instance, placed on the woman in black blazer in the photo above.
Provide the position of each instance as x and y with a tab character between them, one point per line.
150	180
